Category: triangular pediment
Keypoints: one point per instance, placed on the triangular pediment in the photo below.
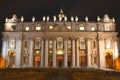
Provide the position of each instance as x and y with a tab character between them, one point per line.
60	29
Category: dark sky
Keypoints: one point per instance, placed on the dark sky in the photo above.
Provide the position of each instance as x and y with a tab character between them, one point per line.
39	8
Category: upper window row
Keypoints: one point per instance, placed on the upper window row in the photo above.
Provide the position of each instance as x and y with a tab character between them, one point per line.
107	27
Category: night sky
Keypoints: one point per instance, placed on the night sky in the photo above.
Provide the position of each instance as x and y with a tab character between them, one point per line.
39	8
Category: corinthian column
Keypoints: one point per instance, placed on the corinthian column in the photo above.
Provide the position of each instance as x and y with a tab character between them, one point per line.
42	51
18	42
77	53
101	56
31	53
65	53
54	53
73	52
88	52
46	53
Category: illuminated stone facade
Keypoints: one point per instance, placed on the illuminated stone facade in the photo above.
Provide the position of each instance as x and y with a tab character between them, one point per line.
60	43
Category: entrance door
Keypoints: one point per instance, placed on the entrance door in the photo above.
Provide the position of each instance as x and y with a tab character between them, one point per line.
37	61
109	60
69	63
83	61
60	61
50	63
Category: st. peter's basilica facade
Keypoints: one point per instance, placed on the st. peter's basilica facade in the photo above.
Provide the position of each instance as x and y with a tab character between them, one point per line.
60	43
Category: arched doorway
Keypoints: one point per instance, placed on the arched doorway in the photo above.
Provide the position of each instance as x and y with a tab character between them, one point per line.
37	61
11	59
109	59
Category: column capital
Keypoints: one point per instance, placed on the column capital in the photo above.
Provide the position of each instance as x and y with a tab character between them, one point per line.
100	39
77	39
65	39
5	38
90	38
46	37
116	39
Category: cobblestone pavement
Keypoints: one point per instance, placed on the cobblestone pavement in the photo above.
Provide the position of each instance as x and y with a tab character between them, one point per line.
57	74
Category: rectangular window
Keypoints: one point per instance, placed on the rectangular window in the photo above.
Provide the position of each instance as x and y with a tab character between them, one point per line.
82	28
82	44
11	43
50	27
37	43
38	28
92	28
107	27
69	27
27	28
37	51
60	43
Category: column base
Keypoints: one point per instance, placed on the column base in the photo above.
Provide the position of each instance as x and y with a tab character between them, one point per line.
54	66
73	67
78	66
65	66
